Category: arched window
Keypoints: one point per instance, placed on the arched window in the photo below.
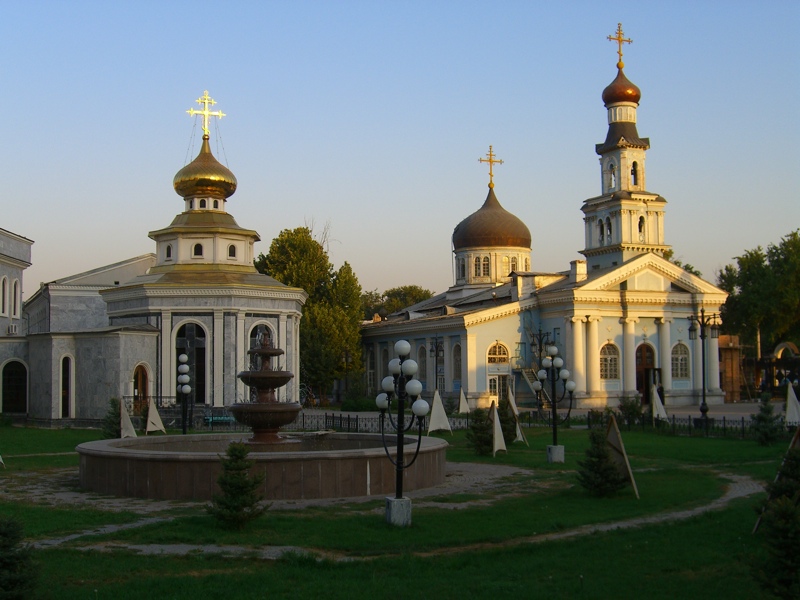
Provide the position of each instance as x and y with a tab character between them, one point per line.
190	339
609	362
486	271
635	173
15	387
641	229
680	361
477	266
527	264
608	231
497	354
191	204
216	204
4	299
612	176
231	251
514	264
15	299
66	387
197	250
371	370
506	269
462	268
601	232
168	252
422	365
202	203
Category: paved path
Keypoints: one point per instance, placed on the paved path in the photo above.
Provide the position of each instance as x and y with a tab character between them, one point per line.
461	478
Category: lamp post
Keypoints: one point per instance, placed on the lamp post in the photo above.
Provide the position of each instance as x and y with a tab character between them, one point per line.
705	323
402	386
184	388
551	369
436	351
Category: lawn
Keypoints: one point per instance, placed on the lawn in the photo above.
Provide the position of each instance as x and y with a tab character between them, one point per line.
456	547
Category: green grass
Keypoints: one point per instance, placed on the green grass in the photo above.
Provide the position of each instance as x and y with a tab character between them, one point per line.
29	440
706	556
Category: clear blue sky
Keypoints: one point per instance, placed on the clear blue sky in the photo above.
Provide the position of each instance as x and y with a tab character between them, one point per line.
371	116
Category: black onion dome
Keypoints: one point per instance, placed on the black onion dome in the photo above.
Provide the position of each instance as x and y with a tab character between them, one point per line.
205	176
491	226
621	90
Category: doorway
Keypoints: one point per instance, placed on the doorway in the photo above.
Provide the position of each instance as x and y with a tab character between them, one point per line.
645	363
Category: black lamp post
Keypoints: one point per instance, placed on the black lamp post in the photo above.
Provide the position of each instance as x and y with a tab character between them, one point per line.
705	323
184	388
402	386
551	370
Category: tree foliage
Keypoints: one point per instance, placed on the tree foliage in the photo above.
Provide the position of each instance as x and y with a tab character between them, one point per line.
18	572
670	256
766	424
238	503
764	293
329	329
393	299
598	474
479	434
111	426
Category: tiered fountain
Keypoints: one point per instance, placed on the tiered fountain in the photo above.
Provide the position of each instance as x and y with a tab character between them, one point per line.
266	415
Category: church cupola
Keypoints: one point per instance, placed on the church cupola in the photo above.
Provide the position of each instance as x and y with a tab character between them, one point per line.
625	220
491	242
205	183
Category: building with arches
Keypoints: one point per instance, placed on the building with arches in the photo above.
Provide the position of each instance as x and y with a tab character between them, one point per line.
619	316
116	331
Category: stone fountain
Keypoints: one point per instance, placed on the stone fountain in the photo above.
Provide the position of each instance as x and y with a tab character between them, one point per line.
266	415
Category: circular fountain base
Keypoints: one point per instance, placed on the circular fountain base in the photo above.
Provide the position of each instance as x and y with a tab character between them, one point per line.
316	465
266	419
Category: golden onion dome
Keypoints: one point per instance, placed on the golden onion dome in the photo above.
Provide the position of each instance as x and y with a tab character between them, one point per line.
205	176
621	90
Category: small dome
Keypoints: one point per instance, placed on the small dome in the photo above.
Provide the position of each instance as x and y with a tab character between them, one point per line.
621	90
205	176
491	226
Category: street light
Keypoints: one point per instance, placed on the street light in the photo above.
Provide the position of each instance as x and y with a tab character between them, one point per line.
184	388
551	369
710	323
402	386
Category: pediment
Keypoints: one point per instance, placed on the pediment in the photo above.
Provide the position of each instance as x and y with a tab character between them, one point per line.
650	273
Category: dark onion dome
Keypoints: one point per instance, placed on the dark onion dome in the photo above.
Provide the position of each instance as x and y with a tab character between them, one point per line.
621	90
205	176
491	226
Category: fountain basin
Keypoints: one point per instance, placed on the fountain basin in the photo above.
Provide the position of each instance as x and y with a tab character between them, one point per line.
265	419
318	465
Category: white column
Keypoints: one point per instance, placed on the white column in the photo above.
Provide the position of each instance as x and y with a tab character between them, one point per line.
168	373
430	376
472	367
219	357
697	364
241	357
283	337
447	362
712	363
665	351
629	354
577	355
592	355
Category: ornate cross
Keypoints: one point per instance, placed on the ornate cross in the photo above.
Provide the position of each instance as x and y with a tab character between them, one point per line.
206	101
492	161
620	40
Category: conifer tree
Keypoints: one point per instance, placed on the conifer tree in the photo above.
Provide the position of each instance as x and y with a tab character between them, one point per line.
598	474
766	425
111	426
17	569
479	435
239	501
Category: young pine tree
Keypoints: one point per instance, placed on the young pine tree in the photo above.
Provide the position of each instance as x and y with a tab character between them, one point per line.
598	474
766	425
17	569
479	435
239	501
111	424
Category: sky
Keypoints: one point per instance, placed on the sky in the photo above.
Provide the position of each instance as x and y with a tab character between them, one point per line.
369	118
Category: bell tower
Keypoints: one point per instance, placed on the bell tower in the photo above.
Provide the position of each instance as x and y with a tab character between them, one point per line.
625	220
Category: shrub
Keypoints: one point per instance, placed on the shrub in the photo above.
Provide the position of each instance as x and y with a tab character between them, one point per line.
630	410
239	502
598	474
507	422
766	425
358	404
17	570
479	435
111	422
778	572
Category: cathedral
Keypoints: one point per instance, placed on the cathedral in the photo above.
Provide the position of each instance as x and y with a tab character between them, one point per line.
620	316
117	331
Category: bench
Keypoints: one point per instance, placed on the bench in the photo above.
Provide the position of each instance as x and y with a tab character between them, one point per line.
210	419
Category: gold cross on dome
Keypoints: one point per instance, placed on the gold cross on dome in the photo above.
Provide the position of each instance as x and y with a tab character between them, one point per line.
206	101
620	40
492	161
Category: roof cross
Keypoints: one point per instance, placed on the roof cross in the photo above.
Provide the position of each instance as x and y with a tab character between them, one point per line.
206	101
492	161
620	40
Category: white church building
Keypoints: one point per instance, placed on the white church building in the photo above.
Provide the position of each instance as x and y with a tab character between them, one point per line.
116	331
619	316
